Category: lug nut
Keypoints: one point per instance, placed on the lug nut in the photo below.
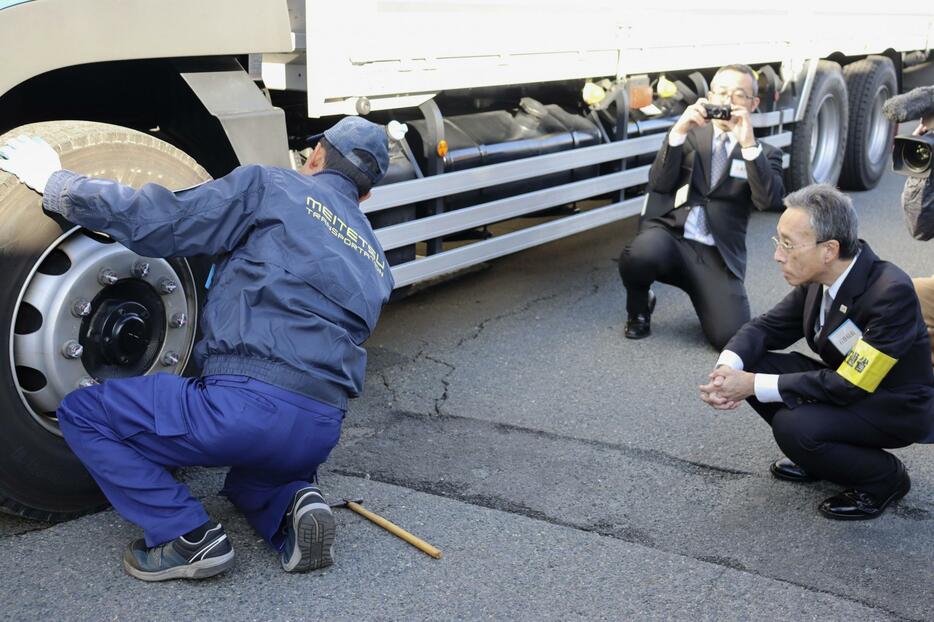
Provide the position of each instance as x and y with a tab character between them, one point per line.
87	381
81	308
178	320
167	285
72	349
169	359
107	277
141	269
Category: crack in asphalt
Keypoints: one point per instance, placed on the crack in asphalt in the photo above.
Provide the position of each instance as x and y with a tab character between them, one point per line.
479	328
649	455
631	535
439	401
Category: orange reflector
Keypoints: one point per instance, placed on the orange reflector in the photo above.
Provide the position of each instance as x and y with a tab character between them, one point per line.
442	148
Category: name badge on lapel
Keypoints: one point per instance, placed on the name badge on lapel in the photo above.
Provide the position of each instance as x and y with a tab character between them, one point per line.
845	337
681	196
738	169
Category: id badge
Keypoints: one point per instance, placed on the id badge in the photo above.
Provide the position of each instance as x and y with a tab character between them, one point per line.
681	196
845	337
738	169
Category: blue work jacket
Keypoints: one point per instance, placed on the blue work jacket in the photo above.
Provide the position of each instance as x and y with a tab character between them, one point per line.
301	283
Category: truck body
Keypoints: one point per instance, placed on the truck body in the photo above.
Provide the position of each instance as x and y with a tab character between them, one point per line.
515	123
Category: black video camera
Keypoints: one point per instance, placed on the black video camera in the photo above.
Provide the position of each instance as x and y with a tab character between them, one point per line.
911	155
718	112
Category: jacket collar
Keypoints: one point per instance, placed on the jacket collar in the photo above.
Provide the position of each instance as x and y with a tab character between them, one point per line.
852	287
339	182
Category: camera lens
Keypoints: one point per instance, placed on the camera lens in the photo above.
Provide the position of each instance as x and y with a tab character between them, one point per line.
918	158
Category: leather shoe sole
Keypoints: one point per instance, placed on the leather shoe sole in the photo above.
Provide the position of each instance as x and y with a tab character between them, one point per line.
787	470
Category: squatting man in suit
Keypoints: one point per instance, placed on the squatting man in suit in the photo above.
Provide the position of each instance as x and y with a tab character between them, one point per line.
872	387
702	186
299	290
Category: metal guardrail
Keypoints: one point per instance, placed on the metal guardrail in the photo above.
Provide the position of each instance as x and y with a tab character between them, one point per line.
408	192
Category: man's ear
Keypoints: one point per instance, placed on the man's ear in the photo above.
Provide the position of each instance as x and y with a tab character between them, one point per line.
365	197
755	104
315	161
833	247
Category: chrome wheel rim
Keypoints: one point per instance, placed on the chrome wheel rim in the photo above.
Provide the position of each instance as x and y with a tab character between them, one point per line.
71	327
826	139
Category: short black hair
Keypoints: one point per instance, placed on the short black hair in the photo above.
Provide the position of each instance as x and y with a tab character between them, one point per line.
335	161
746	69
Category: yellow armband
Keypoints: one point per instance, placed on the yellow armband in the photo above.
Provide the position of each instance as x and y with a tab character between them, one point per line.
865	366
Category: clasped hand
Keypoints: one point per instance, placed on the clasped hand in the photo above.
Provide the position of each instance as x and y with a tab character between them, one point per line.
727	388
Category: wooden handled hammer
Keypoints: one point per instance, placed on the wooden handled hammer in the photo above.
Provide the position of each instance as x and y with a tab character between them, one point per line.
388	526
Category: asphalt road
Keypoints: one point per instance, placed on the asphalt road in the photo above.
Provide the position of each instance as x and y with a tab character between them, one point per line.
564	471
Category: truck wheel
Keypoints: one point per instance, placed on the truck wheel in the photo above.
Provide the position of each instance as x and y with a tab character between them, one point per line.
76	308
819	139
869	82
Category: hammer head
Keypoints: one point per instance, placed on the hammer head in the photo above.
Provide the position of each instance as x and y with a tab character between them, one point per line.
343	503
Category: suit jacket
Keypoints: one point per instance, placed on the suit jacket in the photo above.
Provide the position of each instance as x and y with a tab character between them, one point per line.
729	202
880	300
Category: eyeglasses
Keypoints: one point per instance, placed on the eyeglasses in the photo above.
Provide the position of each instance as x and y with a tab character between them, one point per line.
787	248
738	97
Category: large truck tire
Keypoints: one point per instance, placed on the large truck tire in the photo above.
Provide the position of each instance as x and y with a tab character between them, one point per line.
819	139
65	321
869	82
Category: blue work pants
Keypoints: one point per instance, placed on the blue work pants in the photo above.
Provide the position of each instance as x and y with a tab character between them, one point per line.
131	432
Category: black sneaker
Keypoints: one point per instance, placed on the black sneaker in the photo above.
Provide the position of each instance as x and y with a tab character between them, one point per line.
309	532
180	559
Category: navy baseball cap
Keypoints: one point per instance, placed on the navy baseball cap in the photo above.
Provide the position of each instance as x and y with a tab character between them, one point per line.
356	139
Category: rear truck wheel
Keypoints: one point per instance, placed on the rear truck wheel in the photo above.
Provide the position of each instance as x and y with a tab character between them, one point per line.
819	139
77	308
869	82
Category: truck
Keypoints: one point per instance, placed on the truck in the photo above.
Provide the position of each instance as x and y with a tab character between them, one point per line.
511	123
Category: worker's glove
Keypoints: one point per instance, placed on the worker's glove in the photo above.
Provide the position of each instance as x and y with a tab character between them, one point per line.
31	159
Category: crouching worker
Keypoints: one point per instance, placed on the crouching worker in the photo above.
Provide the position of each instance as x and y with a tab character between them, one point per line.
299	290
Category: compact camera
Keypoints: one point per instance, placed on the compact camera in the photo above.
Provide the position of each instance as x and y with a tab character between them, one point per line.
718	112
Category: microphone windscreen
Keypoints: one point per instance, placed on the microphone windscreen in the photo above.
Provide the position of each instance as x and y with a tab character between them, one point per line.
914	104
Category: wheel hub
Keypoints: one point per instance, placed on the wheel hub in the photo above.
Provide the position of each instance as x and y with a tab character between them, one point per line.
73	328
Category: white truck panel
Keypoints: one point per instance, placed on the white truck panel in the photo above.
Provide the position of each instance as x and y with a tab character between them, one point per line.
393	52
41	35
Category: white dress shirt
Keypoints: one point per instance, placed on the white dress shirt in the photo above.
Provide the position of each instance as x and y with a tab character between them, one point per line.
766	385
695	227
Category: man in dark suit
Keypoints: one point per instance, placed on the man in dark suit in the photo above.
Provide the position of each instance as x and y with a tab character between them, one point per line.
702	186
871	389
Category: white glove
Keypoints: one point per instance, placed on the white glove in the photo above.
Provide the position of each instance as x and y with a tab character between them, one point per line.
31	159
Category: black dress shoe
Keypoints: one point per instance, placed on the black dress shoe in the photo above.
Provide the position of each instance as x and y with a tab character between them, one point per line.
639	325
858	505
789	471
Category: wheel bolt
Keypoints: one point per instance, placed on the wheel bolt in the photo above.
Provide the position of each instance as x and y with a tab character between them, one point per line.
167	285
107	277
141	269
72	349
169	359
178	320
87	381
81	308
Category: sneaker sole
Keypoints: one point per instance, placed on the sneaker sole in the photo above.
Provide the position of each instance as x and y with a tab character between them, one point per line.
314	539
197	570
